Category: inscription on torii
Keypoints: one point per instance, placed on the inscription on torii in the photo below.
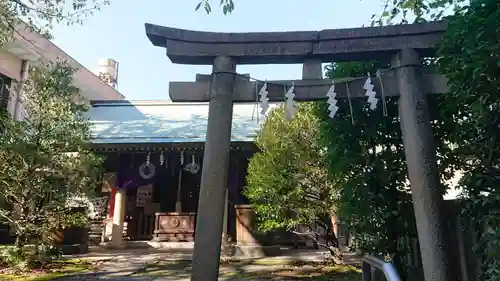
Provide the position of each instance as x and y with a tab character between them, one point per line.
404	45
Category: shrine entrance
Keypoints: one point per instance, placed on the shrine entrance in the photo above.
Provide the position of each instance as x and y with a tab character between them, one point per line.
161	206
157	186
403	45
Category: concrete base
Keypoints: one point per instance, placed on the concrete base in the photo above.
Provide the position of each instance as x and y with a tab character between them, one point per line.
238	251
152	245
75	249
115	246
255	251
171	245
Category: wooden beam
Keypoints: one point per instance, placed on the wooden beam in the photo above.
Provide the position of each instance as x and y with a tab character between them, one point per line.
348	44
166	146
305	90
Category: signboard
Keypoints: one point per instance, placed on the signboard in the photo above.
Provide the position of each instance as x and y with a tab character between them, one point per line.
144	195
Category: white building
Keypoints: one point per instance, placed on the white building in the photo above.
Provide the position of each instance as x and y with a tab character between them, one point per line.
29	48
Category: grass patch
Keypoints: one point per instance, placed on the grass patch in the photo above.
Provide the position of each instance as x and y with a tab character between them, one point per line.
4	247
305	273
259	269
54	270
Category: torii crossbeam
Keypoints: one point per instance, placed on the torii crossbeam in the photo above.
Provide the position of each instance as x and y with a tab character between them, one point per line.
305	89
403	44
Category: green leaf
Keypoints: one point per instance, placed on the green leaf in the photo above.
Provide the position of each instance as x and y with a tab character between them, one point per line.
46	158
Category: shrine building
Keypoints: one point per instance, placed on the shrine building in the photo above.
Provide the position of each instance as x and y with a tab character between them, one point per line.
153	159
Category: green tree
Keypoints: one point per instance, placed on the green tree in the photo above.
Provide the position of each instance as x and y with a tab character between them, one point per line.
226	5
465	125
367	159
470	58
287	180
374	195
401	11
41	15
45	159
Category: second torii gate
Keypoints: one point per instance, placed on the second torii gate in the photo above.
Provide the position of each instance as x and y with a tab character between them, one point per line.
403	44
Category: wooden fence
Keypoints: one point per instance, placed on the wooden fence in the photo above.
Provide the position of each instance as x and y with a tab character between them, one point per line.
462	235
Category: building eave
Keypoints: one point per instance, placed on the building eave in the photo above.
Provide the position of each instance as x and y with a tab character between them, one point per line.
22	51
165	146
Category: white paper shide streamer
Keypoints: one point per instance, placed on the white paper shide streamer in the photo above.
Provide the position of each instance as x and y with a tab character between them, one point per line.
264	100
332	102
290	103
162	159
370	93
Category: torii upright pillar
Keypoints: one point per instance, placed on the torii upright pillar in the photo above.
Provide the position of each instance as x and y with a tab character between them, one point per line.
210	216
420	152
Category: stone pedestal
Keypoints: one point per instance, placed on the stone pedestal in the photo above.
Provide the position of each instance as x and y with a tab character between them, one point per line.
247	242
244	224
107	230
174	227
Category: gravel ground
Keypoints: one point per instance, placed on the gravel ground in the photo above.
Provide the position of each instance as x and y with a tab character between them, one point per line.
103	276
167	266
100	277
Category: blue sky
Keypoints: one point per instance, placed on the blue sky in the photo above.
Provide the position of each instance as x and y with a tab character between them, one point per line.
117	31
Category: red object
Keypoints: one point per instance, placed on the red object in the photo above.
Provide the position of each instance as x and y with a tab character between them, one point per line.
111	202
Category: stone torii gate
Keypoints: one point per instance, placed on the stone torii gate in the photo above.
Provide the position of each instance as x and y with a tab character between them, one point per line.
404	45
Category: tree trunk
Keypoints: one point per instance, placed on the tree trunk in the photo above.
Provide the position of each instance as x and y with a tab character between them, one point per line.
18	241
331	240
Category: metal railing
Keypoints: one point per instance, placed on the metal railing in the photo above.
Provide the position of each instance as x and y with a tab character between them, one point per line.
373	264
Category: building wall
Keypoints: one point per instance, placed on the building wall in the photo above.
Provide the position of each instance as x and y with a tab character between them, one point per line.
34	48
5	83
93	87
10	70
10	65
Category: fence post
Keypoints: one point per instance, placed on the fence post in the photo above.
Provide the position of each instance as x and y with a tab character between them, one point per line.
367	272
